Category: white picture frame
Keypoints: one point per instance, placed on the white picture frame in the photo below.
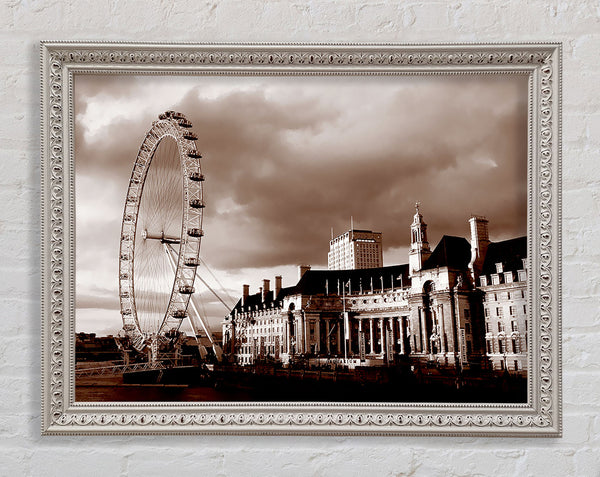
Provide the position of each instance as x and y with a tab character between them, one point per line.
61	414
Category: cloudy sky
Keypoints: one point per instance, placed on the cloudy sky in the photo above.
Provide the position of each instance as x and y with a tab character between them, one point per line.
288	158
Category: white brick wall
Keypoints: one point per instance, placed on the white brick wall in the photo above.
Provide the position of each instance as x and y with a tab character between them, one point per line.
24	23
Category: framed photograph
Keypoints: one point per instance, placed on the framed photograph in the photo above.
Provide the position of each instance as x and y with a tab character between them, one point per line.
301	239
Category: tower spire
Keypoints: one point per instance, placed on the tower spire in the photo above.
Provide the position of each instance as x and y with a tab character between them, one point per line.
419	246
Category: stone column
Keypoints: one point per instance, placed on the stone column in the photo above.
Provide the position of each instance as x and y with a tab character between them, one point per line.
381	337
300	334
287	335
392	333
306	333
424	337
371	336
443	344
359	331
327	331
401	334
318	335
349	336
339	337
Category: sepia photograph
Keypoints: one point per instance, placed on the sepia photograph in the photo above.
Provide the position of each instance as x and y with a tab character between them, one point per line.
330	238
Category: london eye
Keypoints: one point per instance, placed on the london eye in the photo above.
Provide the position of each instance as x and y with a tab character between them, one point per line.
161	234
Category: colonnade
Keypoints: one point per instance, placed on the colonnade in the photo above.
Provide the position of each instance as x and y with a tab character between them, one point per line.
315	334
377	331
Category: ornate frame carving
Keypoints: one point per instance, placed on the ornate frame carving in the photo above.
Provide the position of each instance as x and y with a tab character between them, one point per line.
540	416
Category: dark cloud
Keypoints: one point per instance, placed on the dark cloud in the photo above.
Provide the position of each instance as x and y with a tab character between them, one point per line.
287	159
443	144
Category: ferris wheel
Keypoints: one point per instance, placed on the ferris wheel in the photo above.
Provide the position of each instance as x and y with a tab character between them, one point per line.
161	234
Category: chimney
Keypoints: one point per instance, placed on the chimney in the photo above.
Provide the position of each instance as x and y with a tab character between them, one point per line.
302	269
480	240
277	285
265	290
245	294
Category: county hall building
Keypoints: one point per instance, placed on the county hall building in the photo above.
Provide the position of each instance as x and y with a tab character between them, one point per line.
461	304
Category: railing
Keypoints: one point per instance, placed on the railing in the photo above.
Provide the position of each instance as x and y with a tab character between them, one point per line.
117	369
114	369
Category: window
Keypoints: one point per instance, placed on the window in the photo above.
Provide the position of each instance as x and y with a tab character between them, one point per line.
487	326
516	365
508	277
515	346
512	310
499	267
499	311
500	326
467	313
488	345
495	297
469	347
501	348
525	309
522	293
495	279
483	281
508	295
467	327
486	311
513	326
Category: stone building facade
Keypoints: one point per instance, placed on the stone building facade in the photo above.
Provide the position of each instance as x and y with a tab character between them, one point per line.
461	305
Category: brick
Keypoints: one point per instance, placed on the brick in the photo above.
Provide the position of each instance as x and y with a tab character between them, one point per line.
481	15
572	268
578	350
92	461
42	16
576	428
581	312
548	461
378	17
581	86
142	462
93	16
432	16
583	51
587	461
580	390
573	198
593	129
23	345
15	463
324	13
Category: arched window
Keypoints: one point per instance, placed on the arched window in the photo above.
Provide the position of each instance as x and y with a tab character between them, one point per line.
428	287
